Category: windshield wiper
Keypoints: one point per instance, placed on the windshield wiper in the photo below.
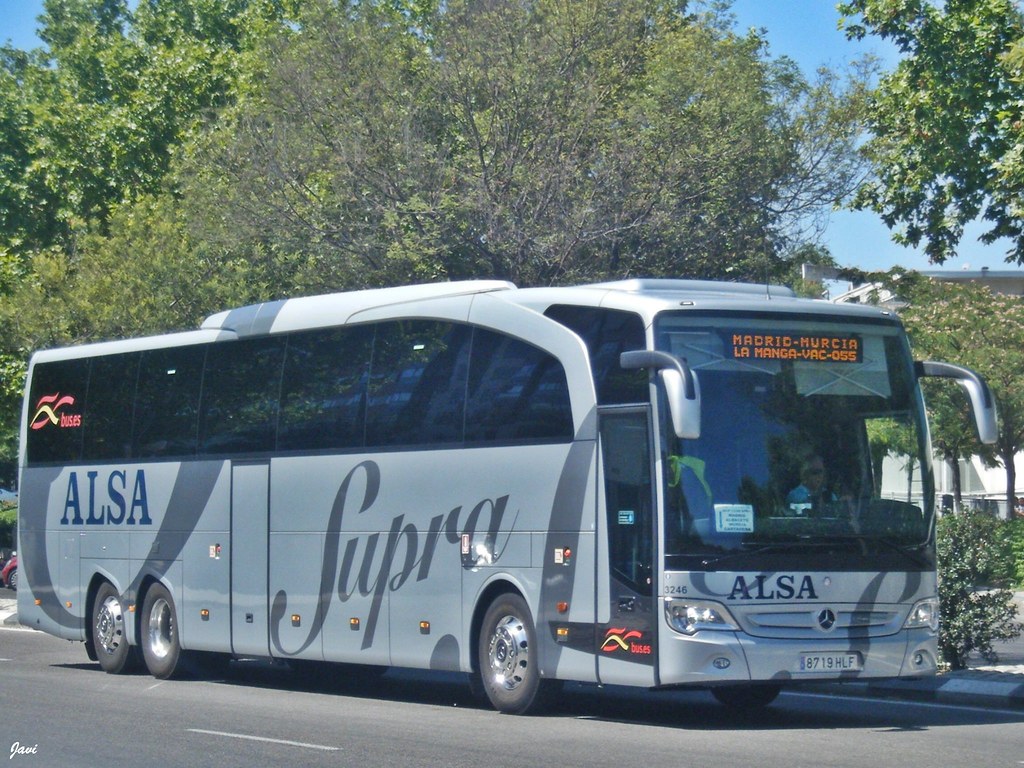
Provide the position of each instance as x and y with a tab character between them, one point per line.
911	552
776	546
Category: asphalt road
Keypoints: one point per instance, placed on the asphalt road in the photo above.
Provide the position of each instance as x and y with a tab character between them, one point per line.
58	709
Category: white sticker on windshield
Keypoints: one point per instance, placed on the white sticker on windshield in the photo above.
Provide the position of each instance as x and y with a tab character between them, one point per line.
734	518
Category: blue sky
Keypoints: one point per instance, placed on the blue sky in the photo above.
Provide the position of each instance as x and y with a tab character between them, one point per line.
804	30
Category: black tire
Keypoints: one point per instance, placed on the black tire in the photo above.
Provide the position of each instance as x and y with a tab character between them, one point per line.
507	658
161	646
476	689
109	632
753	696
90	650
12	580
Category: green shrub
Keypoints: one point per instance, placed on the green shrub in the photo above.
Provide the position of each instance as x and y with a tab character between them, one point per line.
976	564
8	523
1015	536
1004	560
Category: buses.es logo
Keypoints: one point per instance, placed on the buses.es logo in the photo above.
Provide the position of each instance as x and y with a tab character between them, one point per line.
628	640
52	410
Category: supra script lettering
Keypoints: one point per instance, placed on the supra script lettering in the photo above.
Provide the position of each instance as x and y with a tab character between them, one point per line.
372	564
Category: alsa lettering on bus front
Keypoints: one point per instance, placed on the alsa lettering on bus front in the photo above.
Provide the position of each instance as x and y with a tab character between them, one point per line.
784	586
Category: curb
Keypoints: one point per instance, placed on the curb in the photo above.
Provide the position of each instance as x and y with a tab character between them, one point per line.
978	688
984	688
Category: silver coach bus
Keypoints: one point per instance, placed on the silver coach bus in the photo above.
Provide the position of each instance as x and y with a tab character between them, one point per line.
649	483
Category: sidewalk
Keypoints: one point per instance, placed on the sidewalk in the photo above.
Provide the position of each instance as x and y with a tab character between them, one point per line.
998	685
8	612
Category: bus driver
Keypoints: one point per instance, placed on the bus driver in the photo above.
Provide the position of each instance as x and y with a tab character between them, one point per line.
811	494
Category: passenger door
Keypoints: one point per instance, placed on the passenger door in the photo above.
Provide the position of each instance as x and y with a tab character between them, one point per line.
627	644
250	513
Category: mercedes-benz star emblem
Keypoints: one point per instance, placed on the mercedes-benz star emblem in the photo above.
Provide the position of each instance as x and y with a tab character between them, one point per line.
826	619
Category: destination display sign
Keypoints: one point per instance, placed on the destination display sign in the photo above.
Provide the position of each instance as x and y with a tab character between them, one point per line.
810	347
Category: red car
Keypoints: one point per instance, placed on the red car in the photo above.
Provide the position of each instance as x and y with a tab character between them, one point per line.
9	574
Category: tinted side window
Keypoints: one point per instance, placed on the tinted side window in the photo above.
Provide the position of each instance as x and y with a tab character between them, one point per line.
517	392
241	387
417	387
167	402
56	402
108	415
324	390
608	333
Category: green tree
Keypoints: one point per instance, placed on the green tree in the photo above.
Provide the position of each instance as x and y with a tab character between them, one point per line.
540	142
326	170
148	276
890	437
948	124
21	211
973	326
89	126
91	122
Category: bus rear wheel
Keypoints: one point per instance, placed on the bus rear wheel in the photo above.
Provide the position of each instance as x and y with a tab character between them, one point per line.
161	646
507	658
109	640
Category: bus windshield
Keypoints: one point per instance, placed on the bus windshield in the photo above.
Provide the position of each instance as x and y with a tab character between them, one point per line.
811	440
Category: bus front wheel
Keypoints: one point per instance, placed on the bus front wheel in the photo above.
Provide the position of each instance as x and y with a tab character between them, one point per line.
161	646
507	657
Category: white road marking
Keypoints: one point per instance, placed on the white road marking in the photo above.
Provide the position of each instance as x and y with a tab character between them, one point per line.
283	742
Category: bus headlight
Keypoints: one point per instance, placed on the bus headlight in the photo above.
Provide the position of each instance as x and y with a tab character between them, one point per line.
691	616
924	615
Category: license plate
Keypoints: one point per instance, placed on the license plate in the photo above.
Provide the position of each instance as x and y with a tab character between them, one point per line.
847	661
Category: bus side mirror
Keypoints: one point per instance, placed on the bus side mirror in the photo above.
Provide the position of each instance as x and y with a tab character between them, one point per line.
983	404
681	388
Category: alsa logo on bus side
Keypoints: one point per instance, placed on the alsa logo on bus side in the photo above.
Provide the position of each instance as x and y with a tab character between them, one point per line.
783	586
92	503
50	410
